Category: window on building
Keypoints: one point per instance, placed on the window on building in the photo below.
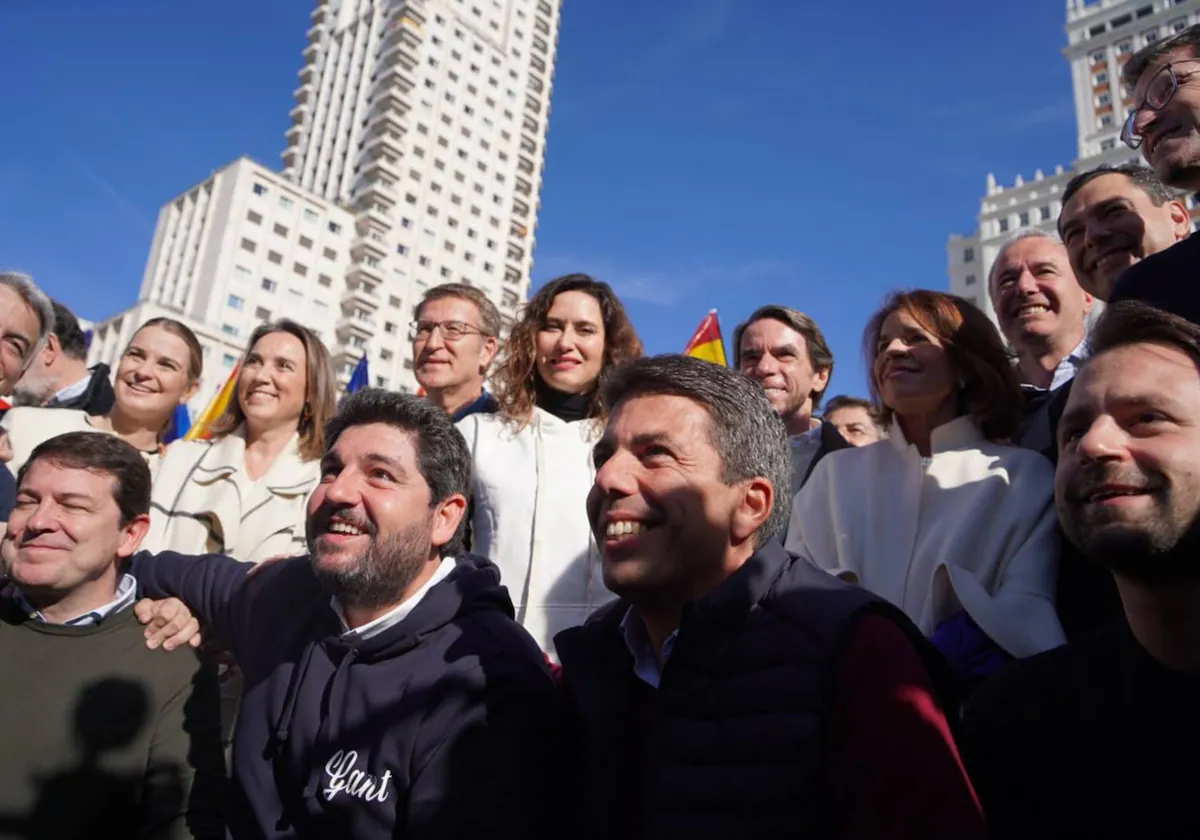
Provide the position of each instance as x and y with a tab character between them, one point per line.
302	270
1150	36
259	189
423	262
1100	78
311	215
1178	26
325	280
969	255
305	242
1004	225
229	329
329	254
285	202
280	230
445	272
969	280
1024	219
240	272
1044	214
401	249
249	245
334	227
262	313
1108	145
389	327
228	360
268	285
488	267
254	218
275	258
235	302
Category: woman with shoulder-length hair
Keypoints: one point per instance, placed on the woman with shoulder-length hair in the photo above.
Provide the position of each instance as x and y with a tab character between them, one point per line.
243	491
158	371
946	518
533	459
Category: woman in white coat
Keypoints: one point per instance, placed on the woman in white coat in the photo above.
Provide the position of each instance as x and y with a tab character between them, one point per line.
533	460
946	519
158	372
243	491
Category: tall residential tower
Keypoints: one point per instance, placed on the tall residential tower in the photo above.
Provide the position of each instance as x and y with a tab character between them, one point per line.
415	154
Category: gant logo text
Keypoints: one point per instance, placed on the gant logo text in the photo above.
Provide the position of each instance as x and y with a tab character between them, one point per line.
345	778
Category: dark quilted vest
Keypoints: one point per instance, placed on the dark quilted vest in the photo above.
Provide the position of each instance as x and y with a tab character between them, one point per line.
732	745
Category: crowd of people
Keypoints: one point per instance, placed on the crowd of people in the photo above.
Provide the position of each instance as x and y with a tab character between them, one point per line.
575	591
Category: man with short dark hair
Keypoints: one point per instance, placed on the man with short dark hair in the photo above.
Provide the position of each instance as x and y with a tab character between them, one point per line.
785	352
1165	124
1091	740
59	376
736	690
102	737
388	690
1113	217
855	419
456	334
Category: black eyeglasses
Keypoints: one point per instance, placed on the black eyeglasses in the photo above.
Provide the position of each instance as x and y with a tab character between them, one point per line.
1158	93
451	330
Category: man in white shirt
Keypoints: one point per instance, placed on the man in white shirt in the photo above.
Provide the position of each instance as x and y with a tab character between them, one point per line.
783	350
1043	313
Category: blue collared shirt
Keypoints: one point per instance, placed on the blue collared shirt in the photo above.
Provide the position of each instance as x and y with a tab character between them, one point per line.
645	663
126	595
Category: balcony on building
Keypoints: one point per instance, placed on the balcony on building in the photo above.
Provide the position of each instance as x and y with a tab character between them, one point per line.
380	219
294	135
415	9
306	94
528	144
308	74
359	294
533	104
291	155
529	124
399	55
384	144
319	14
520	209
315	32
368	244
389	99
299	114
382	166
388	121
515	252
518	229
345	356
512	274
524	187
352	323
403	30
525	164
375	193
311	51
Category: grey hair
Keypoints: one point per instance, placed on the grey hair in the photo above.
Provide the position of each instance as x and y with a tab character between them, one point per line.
1020	236
1152	52
36	300
748	435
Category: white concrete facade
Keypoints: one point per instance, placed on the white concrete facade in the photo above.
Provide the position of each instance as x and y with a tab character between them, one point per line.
242	247
1100	38
427	120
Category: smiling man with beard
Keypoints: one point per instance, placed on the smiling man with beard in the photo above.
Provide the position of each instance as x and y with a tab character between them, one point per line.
1091	740
388	690
735	689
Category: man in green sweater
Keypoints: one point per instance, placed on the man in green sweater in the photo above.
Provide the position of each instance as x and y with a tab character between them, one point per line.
99	736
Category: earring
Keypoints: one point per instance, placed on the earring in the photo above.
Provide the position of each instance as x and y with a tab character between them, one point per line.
306	413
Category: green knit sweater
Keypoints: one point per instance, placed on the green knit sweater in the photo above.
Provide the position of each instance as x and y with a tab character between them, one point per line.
101	737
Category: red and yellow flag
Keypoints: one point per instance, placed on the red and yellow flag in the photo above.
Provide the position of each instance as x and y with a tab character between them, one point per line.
215	408
706	342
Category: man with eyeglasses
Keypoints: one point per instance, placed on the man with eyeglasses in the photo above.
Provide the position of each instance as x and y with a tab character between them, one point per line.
1165	124
455	336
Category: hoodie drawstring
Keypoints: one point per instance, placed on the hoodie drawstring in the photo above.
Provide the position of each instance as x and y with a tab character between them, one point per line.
283	726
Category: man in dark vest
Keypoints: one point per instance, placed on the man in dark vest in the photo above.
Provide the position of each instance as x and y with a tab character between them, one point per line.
734	689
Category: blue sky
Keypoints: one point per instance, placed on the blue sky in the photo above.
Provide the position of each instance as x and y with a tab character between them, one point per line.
702	153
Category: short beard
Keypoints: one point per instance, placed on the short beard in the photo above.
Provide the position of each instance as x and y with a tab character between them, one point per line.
380	575
1155	556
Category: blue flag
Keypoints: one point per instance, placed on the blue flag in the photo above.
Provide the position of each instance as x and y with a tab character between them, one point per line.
179	425
360	378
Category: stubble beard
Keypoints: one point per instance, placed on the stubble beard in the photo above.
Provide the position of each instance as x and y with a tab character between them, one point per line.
380	575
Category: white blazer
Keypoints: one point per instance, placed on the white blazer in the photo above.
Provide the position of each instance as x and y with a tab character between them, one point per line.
204	502
972	528
530	517
28	427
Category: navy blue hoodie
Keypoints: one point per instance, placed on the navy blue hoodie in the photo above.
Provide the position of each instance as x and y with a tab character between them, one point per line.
445	725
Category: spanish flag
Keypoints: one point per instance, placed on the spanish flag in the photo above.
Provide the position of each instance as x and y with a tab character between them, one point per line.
215	408
706	342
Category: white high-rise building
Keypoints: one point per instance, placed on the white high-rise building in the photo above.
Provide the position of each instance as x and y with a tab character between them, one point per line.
419	133
1101	36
